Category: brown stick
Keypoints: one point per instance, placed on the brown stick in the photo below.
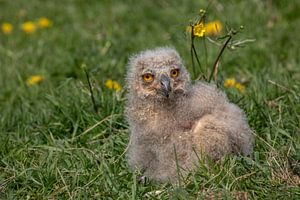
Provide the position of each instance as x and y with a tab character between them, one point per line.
218	58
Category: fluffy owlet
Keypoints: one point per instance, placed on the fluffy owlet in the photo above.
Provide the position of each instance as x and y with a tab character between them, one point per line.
172	121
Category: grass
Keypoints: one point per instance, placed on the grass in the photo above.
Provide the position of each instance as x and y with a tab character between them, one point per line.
53	145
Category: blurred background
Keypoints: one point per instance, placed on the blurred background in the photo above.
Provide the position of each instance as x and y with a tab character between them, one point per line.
103	34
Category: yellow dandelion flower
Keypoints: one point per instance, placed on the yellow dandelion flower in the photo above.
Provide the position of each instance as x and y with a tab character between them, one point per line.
29	27
44	22
35	79
240	87
213	28
109	84
7	28
210	29
113	85
230	82
117	86
199	30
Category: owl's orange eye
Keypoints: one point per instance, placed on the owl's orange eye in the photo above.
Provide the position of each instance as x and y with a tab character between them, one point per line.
174	73
148	78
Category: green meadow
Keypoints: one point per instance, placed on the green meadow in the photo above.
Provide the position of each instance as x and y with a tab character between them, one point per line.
56	143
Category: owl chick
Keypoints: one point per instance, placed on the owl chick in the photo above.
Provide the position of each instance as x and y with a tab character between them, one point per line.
173	122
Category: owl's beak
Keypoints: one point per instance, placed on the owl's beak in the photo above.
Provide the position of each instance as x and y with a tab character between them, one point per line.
165	85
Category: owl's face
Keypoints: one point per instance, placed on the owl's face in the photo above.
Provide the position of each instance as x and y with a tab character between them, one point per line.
158	74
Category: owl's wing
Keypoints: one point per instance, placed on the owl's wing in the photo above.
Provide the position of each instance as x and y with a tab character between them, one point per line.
205	96
225	118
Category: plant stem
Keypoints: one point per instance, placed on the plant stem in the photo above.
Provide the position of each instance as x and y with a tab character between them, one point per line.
192	54
218	58
91	91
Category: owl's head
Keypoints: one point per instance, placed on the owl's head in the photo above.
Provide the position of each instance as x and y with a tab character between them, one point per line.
157	74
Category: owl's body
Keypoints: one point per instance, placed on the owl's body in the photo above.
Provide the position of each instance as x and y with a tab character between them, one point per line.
172	122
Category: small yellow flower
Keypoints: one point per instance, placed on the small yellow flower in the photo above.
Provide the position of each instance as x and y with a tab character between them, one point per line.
240	87
7	28
199	30
113	85
35	79
210	29
213	28
109	84
230	82
117	86
44	22
29	27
